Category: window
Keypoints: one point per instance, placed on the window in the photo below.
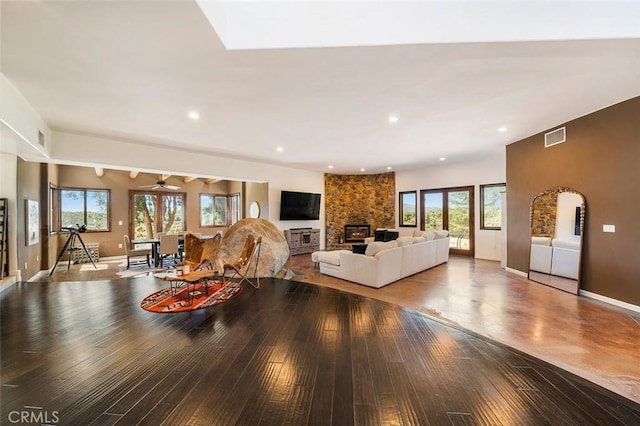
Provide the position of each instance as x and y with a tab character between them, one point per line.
155	212
84	207
213	210
491	206
235	208
408	208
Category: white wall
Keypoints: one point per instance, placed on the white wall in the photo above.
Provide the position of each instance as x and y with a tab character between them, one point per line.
476	172
17	114
9	190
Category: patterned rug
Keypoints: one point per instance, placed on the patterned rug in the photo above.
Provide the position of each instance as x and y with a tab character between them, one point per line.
192	298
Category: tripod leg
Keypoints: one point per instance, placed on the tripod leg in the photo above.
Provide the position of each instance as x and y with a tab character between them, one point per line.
61	253
73	244
87	251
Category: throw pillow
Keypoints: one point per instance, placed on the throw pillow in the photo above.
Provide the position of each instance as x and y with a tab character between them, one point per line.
390	235
359	248
442	234
378	246
404	241
429	235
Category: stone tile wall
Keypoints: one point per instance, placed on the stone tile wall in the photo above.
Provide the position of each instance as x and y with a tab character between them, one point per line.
358	200
543	222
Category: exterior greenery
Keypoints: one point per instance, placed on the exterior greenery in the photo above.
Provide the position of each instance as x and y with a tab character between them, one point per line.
408	208
88	207
147	221
213	210
491	206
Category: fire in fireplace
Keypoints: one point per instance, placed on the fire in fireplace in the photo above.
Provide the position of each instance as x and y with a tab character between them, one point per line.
356	233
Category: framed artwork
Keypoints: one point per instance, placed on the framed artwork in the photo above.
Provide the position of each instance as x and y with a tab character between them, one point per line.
408	212
32	212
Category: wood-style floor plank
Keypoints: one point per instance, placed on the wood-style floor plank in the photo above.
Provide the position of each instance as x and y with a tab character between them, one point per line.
288	353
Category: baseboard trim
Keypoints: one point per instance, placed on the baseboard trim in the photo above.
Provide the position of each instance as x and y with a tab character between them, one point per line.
609	300
515	271
38	275
7	282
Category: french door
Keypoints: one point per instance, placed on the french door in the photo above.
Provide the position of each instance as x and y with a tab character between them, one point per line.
153	212
451	209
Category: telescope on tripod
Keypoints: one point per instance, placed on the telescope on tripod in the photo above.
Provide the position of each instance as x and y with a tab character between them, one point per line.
74	234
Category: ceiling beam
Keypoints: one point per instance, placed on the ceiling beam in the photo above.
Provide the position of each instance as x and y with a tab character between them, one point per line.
188	179
133	175
210	181
99	171
165	177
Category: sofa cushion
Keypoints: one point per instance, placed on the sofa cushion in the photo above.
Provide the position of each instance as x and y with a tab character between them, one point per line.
419	240
442	234
404	241
429	235
330	257
377	246
566	244
359	248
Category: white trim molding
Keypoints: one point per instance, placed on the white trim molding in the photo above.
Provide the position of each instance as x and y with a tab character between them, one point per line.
515	271
610	301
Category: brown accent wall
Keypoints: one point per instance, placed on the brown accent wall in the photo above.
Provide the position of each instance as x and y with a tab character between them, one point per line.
600	159
28	189
119	183
358	200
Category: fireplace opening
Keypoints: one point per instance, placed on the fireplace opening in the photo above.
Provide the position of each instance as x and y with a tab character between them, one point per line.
356	233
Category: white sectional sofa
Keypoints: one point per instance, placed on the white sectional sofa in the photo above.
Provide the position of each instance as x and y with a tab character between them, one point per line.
555	257
386	262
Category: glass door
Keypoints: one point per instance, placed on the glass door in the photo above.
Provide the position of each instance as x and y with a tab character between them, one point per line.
451	209
154	212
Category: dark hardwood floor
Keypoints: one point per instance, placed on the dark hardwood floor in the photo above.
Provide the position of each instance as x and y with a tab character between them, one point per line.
288	353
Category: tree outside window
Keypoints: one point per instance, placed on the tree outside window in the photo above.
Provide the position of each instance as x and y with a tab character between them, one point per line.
155	212
88	207
213	210
408	210
491	206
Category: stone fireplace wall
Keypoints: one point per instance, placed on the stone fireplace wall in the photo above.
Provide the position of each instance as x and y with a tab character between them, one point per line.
545	209
358	200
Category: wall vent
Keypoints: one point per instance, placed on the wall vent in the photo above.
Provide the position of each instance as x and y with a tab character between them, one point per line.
40	138
555	137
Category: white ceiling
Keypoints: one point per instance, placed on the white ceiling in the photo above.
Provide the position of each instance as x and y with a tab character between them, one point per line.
135	69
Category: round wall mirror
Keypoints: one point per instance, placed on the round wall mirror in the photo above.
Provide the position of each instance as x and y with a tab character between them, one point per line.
254	210
557	232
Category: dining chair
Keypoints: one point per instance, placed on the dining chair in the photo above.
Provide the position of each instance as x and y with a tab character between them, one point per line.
168	247
132	251
241	266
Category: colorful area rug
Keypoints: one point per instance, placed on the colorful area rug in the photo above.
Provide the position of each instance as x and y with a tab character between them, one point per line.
189	299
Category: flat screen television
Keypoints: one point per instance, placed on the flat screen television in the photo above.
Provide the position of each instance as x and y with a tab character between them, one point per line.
299	206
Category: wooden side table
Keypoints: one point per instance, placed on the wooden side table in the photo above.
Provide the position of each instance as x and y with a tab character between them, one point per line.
191	279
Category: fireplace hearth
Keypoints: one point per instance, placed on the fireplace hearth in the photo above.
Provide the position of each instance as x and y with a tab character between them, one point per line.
356	233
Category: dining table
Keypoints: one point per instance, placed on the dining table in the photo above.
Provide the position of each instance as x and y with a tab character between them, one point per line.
155	245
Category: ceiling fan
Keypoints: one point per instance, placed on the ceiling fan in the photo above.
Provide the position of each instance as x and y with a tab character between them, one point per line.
160	184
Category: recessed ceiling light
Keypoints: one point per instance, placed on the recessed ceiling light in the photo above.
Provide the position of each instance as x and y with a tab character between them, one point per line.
194	115
279	149
389	168
442	158
393	119
362	170
502	129
330	166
